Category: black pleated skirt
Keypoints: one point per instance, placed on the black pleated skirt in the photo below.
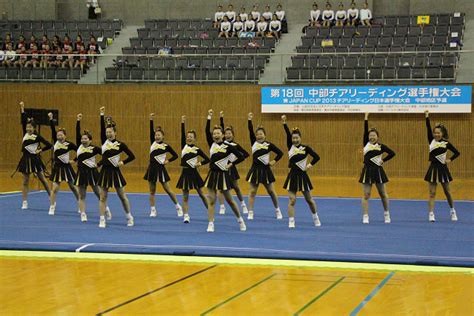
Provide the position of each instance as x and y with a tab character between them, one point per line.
156	173
87	176
438	173
298	181
111	177
234	174
373	174
219	180
62	172
260	175
30	164
190	179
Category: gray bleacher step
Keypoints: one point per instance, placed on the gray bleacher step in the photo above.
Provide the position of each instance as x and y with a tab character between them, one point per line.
465	72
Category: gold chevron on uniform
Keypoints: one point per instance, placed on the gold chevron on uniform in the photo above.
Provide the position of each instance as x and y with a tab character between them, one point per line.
257	146
29	137
188	150
370	147
156	146
296	150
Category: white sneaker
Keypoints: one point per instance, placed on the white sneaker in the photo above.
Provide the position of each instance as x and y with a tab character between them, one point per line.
108	213
186	219
242	225
52	209
210	227
386	216
250	215
278	214
79	210
102	223
130	222
291	223
83	217
245	209
153	213
316	220
365	219
179	210
222	210
24	205
454	217
432	217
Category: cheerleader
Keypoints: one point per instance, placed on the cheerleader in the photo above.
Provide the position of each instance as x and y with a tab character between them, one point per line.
87	174
260	172
328	15
230	14
275	27
243	14
30	161
110	175
218	178
156	171
267	14
218	16
249	25
373	172
353	14
262	26
438	171
365	15
298	179
62	170
237	27
229	139
314	15
341	16
190	178
255	13
226	28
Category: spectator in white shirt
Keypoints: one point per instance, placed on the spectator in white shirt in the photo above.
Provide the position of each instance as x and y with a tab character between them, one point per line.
226	28
249	25
314	15
230	13
243	14
328	15
341	16
218	16
237	27
267	14
280	13
275	27
262	26
10	56
353	14
365	15
255	13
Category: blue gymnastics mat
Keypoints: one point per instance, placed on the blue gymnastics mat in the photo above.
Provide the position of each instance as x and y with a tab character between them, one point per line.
410	239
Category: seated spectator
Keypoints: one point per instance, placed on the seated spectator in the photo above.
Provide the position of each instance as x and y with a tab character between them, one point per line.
243	14
282	17
46	58
22	58
69	57
314	15
237	27
81	60
255	13
230	13
328	15
226	27
34	59
32	42
56	43
353	14
275	27
249	25
7	41
44	41
10	55
262	27
66	43
93	48
58	59
365	15
79	43
21	43
267	14
218	16
341	16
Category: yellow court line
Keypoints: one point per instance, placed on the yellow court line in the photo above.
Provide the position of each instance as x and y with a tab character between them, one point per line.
10	192
233	261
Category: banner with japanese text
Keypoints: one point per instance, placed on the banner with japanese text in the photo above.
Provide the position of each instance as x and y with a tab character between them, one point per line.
353	99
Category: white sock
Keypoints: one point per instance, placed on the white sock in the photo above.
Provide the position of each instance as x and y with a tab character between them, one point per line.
242	203
452	209
315	215
291	219
153	209
277	209
102	218
222	206
129	215
178	206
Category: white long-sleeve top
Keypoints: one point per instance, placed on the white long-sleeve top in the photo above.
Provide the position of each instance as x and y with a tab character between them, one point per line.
314	15
341	15
353	13
256	15
328	15
280	14
244	16
249	25
275	25
237	26
226	26
365	14
267	15
218	16
230	15
262	26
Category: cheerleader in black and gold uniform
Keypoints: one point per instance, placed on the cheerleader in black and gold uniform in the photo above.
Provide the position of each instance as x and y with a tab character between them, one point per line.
229	139
190	178
261	172
156	171
298	179
110	175
438	171
219	178
62	170
373	172
30	161
87	174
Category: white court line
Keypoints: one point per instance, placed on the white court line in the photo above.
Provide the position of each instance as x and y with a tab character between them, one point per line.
374	255
19	194
83	247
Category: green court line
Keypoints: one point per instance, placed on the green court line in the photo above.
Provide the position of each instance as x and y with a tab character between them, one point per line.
237	295
329	288
233	261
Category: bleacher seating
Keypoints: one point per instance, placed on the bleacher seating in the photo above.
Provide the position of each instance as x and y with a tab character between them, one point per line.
102	30
217	59
394	48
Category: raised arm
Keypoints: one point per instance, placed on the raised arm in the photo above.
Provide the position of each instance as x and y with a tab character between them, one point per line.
253	139
221	118
103	137
53	128
390	153
183	131
366	129
289	143
152	128
128	152
455	152
78	129
429	131
24	119
208	128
